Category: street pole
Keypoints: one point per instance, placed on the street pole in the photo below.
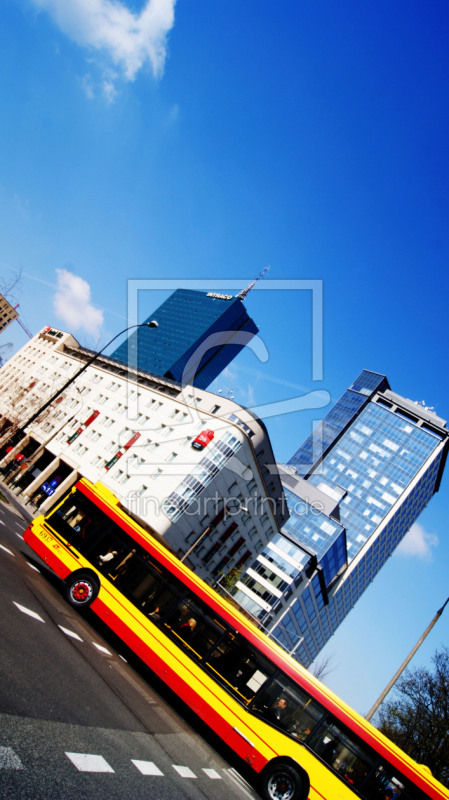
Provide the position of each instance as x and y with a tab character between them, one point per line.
382	697
196	542
152	324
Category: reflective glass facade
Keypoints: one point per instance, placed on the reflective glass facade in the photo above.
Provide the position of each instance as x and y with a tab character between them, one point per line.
185	321
388	468
309	526
374	462
378	462
326	433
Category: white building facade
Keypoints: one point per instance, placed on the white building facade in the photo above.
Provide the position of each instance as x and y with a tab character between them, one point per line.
134	432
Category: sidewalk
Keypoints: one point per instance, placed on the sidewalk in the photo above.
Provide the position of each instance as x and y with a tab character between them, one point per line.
16	503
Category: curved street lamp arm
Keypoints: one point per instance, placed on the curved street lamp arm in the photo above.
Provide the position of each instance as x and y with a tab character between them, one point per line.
152	324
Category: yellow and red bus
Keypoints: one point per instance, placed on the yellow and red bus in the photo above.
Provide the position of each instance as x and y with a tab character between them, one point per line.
300	740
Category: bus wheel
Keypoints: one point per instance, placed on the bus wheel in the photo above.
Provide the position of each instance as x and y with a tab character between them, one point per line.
81	589
281	781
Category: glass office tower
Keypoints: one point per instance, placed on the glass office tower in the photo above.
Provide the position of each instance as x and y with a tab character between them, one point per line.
353	491
309	455
198	335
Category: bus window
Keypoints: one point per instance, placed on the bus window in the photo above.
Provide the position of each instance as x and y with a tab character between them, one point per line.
383	783
107	552
192	623
243	669
142	586
342	752
287	706
77	519
146	586
209	631
161	602
183	621
138	582
122	567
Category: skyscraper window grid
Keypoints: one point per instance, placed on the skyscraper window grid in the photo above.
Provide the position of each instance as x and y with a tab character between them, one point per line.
372	475
374	464
187	320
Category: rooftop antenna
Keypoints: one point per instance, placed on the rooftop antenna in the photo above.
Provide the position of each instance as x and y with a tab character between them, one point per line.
244	292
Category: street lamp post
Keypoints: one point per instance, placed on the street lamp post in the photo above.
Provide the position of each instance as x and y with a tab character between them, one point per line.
401	669
151	324
196	542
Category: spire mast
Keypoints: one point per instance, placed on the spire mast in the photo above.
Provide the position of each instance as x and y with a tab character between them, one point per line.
244	292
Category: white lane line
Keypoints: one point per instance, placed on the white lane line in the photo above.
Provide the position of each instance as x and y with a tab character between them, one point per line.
212	774
84	762
70	633
28	611
9	760
6	550
146	767
184	772
19	535
33	567
2	523
102	649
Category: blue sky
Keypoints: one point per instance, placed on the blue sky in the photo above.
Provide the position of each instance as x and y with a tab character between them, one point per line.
205	140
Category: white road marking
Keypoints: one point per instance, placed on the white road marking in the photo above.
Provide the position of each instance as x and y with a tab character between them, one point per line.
84	762
70	633
211	773
33	567
2	523
87	762
102	649
19	536
28	611
9	760
6	550
184	772
146	767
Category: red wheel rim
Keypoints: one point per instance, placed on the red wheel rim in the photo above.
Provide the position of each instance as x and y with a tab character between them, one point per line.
81	591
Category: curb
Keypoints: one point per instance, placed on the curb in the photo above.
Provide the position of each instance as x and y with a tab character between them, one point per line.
15	503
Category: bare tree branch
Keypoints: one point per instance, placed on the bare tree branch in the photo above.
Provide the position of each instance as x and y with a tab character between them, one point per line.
417	719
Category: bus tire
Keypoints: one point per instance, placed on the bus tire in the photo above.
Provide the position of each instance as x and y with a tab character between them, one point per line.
281	781
81	589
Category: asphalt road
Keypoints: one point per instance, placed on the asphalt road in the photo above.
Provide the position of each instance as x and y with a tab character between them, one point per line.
79	717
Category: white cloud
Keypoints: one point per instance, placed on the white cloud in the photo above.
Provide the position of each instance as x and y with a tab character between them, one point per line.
72	304
417	543
130	39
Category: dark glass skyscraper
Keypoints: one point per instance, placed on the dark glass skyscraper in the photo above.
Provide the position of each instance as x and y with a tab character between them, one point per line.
198	335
